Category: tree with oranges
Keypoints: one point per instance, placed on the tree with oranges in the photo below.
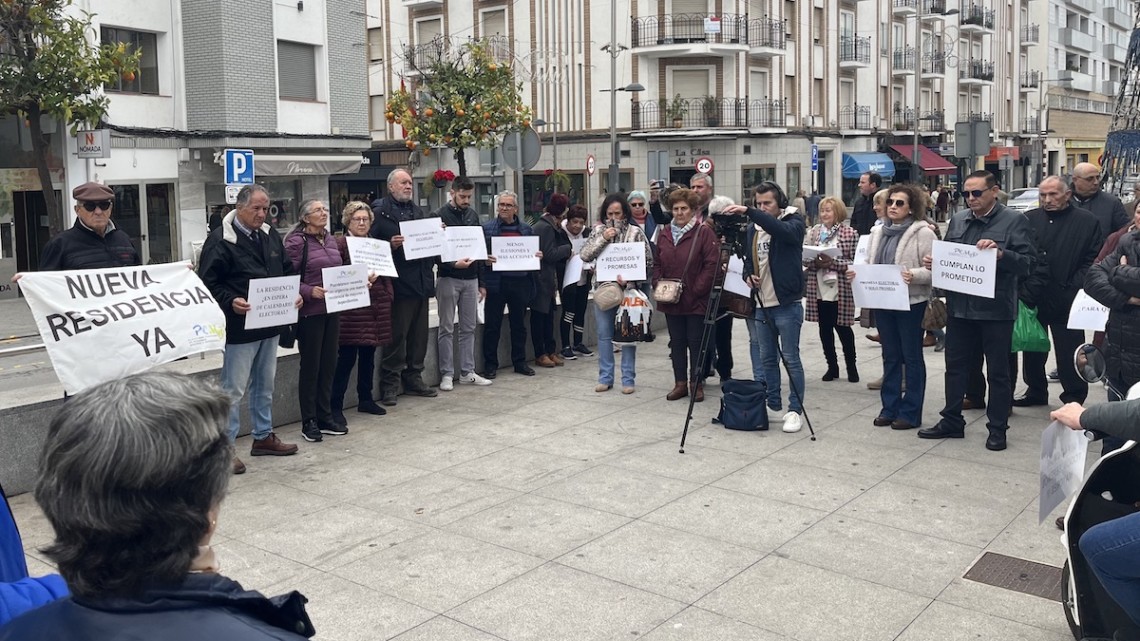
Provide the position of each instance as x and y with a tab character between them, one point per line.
467	98
51	64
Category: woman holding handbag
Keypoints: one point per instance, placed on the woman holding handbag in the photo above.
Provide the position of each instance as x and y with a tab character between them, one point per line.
687	259
615	227
828	296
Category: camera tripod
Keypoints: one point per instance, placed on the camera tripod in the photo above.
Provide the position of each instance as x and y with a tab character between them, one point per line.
712	315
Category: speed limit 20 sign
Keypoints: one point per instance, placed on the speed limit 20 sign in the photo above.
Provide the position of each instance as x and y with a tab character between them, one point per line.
704	165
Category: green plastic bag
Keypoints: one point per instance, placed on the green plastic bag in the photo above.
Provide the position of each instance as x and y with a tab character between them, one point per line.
1028	334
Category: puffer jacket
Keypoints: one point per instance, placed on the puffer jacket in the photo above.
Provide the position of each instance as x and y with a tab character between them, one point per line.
1113	285
1014	237
370	325
322	253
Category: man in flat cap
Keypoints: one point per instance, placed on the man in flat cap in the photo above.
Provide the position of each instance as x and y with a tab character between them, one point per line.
93	242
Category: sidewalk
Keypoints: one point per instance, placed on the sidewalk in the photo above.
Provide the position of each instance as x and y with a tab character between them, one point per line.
538	510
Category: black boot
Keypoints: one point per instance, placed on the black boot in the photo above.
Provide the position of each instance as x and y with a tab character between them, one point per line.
848	340
832	370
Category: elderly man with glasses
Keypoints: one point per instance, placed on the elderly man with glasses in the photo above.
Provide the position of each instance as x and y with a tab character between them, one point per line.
1087	194
512	290
93	242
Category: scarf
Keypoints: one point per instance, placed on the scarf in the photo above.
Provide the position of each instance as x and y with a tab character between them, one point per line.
678	232
892	232
825	234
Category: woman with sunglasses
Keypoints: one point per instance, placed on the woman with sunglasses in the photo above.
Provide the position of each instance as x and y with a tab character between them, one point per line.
903	239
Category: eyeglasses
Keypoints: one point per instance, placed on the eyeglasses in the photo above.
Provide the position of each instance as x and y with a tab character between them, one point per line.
318	210
507	205
92	205
361	219
897	202
975	193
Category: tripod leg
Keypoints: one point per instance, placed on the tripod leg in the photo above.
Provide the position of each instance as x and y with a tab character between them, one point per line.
706	337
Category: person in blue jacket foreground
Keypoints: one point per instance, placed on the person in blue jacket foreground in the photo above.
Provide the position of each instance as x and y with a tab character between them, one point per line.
18	591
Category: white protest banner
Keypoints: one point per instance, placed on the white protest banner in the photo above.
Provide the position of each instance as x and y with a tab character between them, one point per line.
1087	313
375	253
861	251
102	324
422	238
463	243
621	259
811	251
880	287
1062	466
515	253
962	268
734	279
573	271
346	287
272	301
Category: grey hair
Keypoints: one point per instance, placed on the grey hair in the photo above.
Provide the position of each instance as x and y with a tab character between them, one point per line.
1065	180
506	194
128	475
636	194
308	205
719	203
247	192
395	172
702	176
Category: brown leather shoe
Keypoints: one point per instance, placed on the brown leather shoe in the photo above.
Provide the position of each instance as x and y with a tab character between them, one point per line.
556	359
271	446
929	340
699	393
680	390
873	337
239	467
544	361
967	404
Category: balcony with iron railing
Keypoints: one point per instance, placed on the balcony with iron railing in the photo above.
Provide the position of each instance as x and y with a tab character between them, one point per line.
855	117
678	32
976	72
1030	80
418	59
905	7
934	64
707	112
975	17
1030	125
767	37
1030	34
854	51
902	119
933	121
933	9
980	117
902	61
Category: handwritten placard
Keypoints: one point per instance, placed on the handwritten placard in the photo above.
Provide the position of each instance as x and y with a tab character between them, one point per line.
464	243
346	287
965	269
621	259
272	301
1087	313
515	253
422	238
880	287
376	254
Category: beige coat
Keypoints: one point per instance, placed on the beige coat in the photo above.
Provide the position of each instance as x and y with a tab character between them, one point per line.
915	243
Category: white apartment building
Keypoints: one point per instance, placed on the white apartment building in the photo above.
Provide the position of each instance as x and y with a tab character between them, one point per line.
285	79
760	81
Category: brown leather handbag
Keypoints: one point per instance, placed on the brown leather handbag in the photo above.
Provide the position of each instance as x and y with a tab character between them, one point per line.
668	290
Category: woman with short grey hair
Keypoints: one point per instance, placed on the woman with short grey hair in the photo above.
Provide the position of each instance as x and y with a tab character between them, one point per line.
131	479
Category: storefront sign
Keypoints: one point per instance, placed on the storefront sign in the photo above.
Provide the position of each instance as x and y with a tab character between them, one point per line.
315	165
93	144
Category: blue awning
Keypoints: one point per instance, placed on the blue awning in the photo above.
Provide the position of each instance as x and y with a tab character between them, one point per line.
857	164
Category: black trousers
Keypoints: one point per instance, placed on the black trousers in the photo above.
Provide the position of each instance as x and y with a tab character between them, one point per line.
720	358
317	338
1065	343
515	300
542	330
967	342
685	345
347	358
403	360
574	300
828	328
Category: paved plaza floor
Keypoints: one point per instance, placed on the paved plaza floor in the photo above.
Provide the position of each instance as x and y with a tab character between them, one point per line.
539	510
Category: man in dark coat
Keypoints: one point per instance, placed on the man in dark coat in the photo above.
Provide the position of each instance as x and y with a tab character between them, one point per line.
980	327
556	250
93	242
1067	243
512	290
863	209
245	248
1107	209
403	361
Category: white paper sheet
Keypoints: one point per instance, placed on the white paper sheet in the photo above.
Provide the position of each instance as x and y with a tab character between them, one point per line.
962	268
515	253
422	238
880	287
1063	453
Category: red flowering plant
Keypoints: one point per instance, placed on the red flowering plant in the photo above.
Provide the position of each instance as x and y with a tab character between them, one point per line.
443	175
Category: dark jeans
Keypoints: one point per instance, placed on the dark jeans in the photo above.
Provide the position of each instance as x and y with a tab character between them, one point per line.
967	342
1112	549
685	345
317	337
542	331
900	334
719	354
1065	343
347	358
828	328
515	300
403	360
574	300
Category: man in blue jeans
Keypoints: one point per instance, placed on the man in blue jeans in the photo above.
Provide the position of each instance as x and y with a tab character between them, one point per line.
773	266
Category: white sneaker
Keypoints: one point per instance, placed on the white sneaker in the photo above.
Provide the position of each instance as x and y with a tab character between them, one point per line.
474	379
445	384
792	422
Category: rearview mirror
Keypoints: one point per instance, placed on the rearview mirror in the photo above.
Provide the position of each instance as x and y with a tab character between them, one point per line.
1089	362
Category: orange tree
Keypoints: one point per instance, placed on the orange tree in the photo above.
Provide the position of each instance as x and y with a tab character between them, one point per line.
467	98
52	65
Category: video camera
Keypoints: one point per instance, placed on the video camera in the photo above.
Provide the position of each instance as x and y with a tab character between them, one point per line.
731	228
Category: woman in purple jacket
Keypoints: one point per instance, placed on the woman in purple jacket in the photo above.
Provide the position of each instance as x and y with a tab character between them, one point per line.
687	250
311	248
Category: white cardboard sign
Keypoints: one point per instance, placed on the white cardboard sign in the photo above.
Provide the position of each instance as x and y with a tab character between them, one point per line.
880	287
346	287
272	301
465	242
376	254
422	238
621	259
1063	453
515	253
965	269
1087	313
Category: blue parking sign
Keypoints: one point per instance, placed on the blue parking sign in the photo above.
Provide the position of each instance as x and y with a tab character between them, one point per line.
815	157
239	166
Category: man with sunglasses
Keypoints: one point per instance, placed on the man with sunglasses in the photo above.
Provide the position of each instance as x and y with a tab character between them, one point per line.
980	327
93	242
1108	210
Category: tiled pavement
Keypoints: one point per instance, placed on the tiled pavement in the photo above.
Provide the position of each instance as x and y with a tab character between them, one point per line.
537	509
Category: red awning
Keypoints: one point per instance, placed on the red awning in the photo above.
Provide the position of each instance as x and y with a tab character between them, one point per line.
930	162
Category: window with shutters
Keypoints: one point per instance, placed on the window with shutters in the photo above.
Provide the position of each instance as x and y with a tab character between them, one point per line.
375	44
758	84
494	23
690	83
296	71
145	80
428	30
690	6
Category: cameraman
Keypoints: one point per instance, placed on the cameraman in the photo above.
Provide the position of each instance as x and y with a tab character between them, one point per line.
773	267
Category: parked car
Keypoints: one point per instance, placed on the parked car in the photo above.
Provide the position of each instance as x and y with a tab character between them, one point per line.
1023	200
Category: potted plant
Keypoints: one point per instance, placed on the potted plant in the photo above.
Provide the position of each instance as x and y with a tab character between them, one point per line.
711	108
557	181
674	110
441	177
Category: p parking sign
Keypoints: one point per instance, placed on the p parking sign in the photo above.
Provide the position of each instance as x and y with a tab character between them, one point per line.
239	166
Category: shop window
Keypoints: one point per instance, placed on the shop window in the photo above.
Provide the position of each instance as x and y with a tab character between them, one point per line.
145	80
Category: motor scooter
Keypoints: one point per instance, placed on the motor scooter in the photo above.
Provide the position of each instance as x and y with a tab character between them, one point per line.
1111	489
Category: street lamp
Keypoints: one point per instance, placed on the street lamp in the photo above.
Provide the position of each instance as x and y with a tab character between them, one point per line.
1043	131
914	155
539	122
612	181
